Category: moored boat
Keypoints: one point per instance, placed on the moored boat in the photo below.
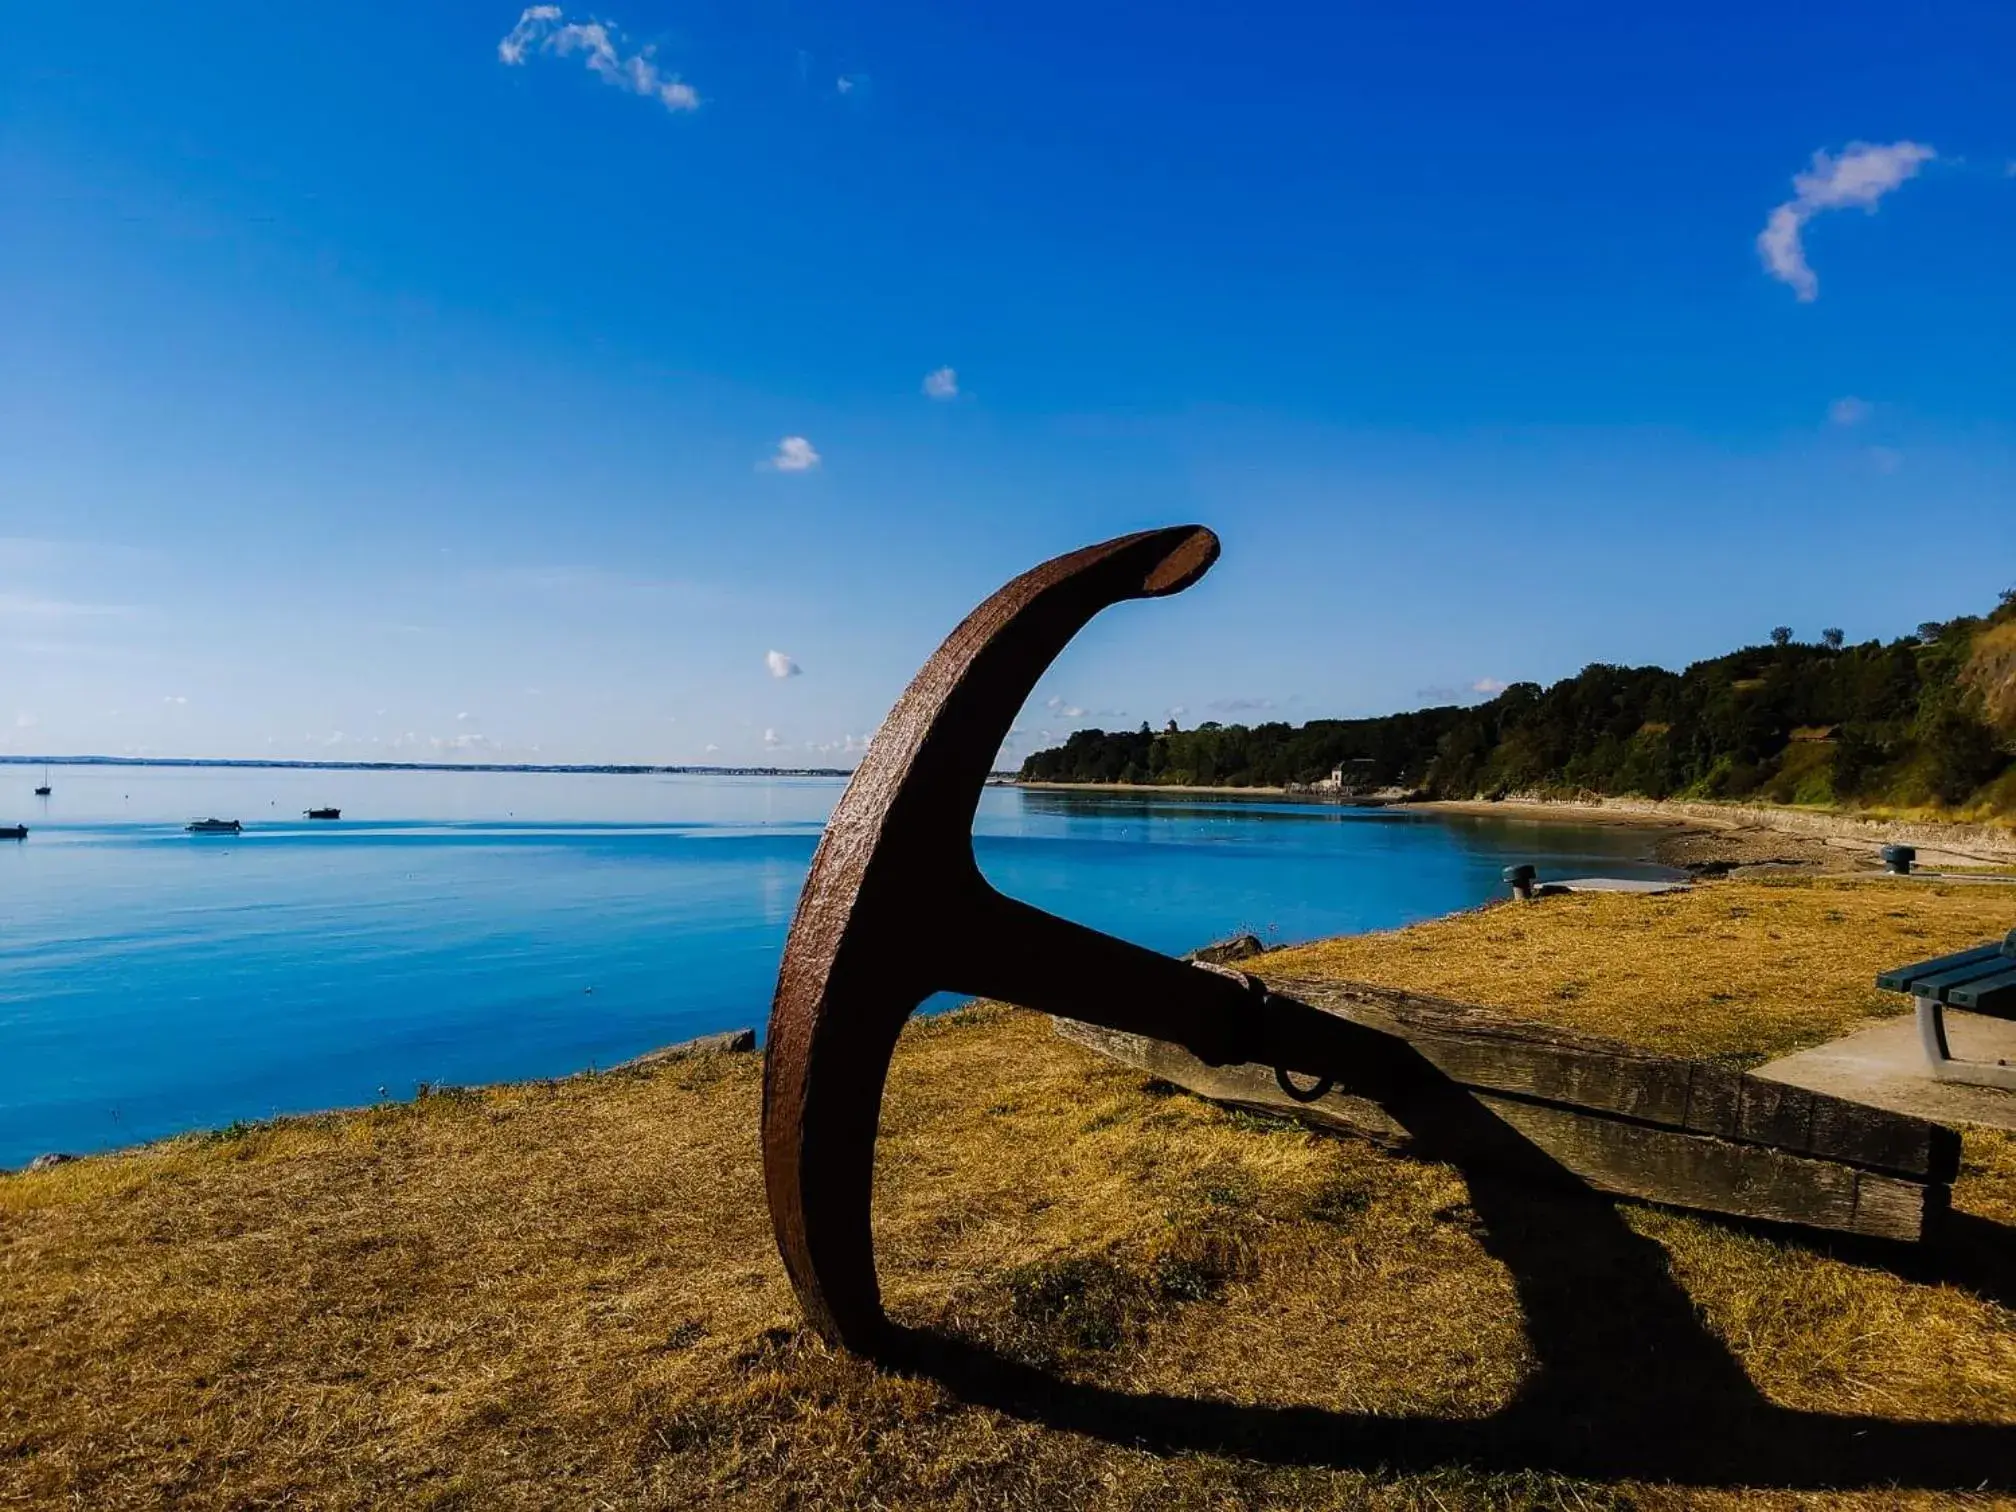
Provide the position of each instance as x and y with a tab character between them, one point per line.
13	832
214	827
325	813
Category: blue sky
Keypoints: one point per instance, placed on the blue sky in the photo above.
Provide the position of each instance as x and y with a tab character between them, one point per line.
410	381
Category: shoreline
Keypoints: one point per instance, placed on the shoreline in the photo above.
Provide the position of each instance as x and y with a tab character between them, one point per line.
1938	841
1706	840
1953	841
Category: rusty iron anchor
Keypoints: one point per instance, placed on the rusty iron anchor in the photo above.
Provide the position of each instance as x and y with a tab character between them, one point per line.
895	909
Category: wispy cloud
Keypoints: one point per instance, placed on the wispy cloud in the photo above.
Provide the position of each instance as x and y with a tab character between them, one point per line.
780	665
772	740
1860	176
1490	687
846	745
1240	705
942	384
542	28
1065	710
33	606
794	454
1849	411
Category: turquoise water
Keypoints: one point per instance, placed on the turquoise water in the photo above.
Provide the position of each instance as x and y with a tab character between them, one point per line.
470	927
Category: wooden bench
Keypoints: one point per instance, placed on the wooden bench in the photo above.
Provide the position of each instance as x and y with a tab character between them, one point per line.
1981	980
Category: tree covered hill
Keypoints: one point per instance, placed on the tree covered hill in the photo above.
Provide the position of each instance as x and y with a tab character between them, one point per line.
1928	721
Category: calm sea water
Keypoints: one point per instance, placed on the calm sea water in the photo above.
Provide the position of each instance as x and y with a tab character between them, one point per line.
471	927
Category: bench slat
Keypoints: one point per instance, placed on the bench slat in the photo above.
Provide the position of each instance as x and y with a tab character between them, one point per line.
1900	978
1942	984
1994	995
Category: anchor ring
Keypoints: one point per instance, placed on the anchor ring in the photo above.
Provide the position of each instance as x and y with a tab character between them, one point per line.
1300	1094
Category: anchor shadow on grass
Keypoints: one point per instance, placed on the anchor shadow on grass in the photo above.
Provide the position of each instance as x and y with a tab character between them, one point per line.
1629	1384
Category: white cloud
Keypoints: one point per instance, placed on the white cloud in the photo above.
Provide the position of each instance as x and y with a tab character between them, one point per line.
942	384
794	454
1860	176
1850	411
781	665
712	748
1068	711
543	28
464	717
173	698
1241	705
771	740
25	721
532	21
1489	686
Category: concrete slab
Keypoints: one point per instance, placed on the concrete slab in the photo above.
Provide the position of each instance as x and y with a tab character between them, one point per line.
1611	884
1883	1067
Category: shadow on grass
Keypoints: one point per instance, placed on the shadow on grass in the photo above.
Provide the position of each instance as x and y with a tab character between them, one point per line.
1629	1384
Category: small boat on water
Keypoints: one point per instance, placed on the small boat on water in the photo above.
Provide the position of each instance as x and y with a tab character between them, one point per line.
42	791
325	813
13	832
214	827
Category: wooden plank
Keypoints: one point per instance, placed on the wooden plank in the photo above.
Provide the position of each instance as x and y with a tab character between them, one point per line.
1614	1155
1490	1052
1717	1176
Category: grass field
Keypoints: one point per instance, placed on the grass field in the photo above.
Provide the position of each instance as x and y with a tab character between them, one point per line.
566	1295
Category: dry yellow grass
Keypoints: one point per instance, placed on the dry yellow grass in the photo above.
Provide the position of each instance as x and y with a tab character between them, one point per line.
566	1295
1737	971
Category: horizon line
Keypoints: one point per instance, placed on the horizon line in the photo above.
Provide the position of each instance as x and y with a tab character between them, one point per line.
612	768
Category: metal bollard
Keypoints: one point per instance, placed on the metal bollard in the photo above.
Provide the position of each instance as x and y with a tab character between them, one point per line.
1522	878
1898	859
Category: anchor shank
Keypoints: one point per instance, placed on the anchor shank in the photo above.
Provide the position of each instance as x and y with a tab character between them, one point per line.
1019	954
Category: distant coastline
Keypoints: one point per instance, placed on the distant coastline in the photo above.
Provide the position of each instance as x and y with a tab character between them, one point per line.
609	768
